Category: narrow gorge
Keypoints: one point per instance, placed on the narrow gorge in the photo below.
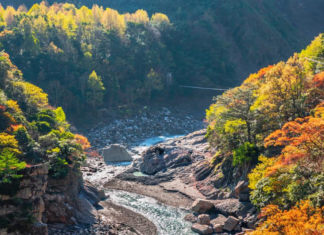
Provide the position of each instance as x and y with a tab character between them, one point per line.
159	118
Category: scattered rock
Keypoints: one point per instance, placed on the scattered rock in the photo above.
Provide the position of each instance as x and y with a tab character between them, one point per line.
250	220
237	227
217	228
244	197
219	219
230	223
191	218
241	187
202	206
202	229
204	219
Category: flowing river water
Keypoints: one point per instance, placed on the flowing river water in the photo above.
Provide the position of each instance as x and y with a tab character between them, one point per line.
168	220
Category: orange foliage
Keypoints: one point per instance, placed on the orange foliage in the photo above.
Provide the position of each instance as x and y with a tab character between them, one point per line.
318	80
83	141
258	77
13	128
303	141
303	219
2	108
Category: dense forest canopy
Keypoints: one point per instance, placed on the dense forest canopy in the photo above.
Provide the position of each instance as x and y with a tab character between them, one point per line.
83	56
203	44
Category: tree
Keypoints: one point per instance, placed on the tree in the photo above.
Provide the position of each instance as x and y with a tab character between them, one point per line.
9	165
152	82
237	105
9	16
95	90
133	88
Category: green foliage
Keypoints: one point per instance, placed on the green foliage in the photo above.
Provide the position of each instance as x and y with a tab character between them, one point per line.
245	154
61	118
22	136
260	171
43	127
9	166
58	168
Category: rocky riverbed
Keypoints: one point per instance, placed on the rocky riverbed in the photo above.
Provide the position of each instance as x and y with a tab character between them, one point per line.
177	173
145	124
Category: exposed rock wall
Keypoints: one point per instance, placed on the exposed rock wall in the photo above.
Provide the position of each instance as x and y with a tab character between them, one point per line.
41	200
27	206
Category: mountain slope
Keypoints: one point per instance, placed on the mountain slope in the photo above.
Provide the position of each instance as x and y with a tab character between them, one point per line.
213	39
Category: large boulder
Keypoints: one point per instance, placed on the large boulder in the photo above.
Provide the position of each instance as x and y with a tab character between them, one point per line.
234	207
192	218
202	229
202	206
116	153
158	158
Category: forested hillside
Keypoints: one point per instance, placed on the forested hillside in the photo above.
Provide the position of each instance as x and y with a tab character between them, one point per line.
273	123
83	57
204	44
36	148
225	33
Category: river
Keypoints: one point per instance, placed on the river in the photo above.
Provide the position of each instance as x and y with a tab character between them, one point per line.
168	220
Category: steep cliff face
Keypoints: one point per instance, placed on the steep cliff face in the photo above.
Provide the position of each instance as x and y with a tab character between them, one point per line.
25	208
40	179
41	200
66	201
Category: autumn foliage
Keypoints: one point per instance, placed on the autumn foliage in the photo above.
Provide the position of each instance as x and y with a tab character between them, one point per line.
303	142
280	110
302	219
80	139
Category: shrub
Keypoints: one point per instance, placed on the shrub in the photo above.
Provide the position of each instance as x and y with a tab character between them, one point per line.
9	166
43	127
245	154
22	136
58	166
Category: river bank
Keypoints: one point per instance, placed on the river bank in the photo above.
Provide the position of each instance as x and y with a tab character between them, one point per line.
181	171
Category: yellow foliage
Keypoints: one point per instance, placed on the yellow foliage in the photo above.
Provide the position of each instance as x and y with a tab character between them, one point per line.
111	19
34	95
160	19
8	142
232	126
13	105
260	171
140	16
